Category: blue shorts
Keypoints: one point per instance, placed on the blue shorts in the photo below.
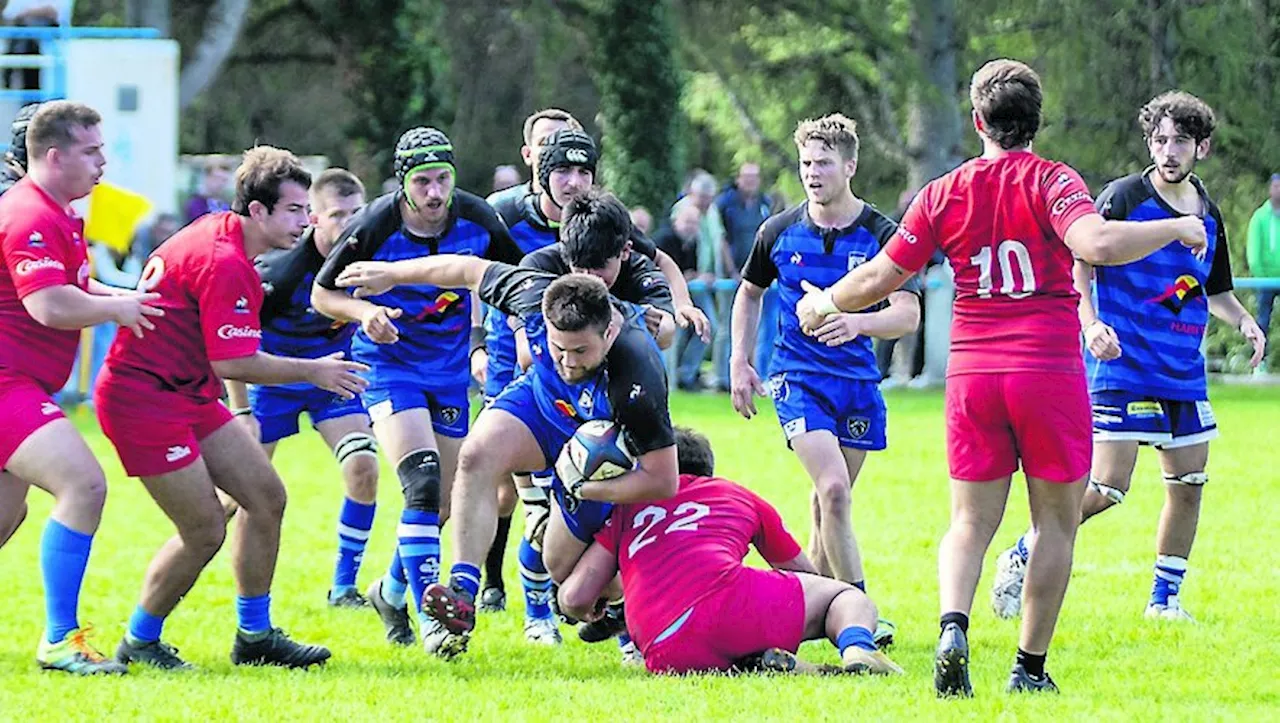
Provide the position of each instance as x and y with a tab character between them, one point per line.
852	410
449	405
584	518
1120	416
277	409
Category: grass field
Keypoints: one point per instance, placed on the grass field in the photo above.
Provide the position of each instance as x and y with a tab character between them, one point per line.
1111	663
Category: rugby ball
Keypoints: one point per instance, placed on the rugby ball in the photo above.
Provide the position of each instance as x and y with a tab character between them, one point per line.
599	450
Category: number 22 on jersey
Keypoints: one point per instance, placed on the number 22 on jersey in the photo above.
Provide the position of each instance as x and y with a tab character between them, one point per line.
648	521
1008	254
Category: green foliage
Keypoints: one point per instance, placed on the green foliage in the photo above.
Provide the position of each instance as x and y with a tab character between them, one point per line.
633	53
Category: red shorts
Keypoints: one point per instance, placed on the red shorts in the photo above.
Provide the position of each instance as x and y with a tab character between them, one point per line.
755	611
154	432
1042	418
24	407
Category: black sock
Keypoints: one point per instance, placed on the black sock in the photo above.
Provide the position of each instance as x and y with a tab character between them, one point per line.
1033	664
958	618
493	563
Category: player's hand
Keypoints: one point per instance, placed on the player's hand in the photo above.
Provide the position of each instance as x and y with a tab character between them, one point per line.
132	311
652	318
368	278
377	325
334	374
688	315
480	366
1102	341
814	307
569	474
838	329
744	385
1256	336
1193	235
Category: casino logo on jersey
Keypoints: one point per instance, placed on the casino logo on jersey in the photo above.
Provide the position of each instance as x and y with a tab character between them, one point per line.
437	310
858	426
1182	292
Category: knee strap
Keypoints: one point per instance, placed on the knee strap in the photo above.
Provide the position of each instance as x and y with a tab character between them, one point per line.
1115	494
353	444
1193	479
419	474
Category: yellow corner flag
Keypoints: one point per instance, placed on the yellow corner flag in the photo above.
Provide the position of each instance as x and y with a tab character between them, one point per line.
114	215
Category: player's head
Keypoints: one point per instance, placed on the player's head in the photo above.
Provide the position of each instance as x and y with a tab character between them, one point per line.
539	126
17	153
271	192
64	141
595	235
828	149
693	453
424	167
580	324
567	165
336	195
1006	99
1177	127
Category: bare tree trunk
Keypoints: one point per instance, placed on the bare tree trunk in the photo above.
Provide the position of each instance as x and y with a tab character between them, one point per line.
934	135
1160	28
221	29
148	14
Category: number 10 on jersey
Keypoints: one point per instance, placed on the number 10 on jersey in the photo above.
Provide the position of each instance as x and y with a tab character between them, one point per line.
1008	253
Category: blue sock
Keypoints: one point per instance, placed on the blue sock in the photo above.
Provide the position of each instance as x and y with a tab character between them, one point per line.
1170	571
144	627
419	540
855	636
465	576
861	585
1021	547
536	582
355	520
64	554
624	639
254	613
395	584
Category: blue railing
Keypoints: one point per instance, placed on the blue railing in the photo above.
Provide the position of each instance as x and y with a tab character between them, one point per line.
52	56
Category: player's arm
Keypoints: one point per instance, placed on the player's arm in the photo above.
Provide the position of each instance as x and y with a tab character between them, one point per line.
68	308
744	378
799	563
1223	303
858	289
686	313
655	477
1109	242
586	584
331	373
1099	339
774	542
237	395
899	318
370	278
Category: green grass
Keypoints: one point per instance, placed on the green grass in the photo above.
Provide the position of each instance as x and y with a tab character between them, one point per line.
1111	663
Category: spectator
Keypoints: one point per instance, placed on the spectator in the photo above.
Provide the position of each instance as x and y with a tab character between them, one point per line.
712	262
742	209
32	14
504	177
679	240
211	196
642	220
1263	250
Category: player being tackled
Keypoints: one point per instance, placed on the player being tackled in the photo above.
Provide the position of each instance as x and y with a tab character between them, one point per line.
694	606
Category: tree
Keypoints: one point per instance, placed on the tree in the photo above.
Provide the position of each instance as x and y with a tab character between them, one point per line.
221	29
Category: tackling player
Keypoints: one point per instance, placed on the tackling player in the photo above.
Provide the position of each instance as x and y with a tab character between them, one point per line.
825	386
589	362
158	402
1144	323
1009	222
292	328
695	606
46	298
416	340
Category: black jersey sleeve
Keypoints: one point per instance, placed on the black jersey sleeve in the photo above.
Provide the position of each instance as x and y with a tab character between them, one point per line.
474	209
1120	197
640	281
883	228
282	271
1219	280
362	237
760	269
514	290
638	391
643	245
547	258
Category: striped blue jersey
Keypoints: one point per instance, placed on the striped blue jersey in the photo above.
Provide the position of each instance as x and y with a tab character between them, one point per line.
531	231
1158	305
791	248
435	324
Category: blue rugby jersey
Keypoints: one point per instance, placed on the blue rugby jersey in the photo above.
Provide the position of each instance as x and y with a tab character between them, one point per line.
435	324
630	387
531	231
290	326
1158	305
791	248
